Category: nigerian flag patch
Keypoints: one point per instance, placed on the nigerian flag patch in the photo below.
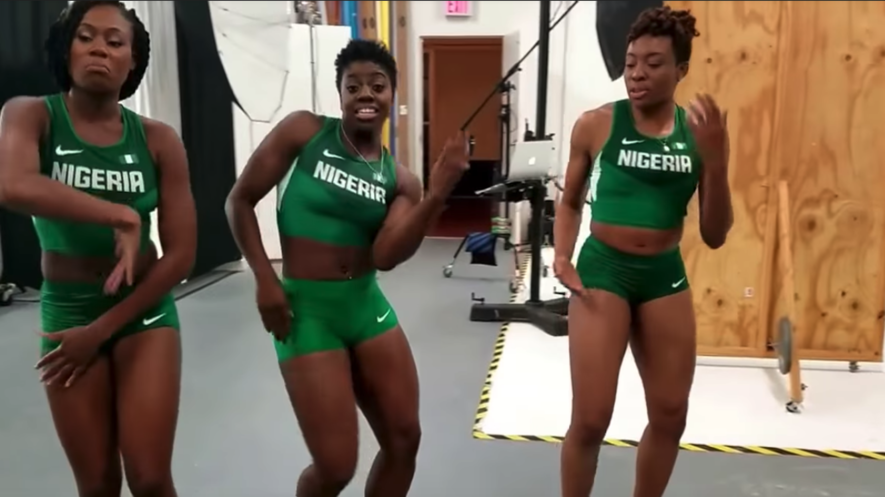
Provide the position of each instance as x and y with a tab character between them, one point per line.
129	159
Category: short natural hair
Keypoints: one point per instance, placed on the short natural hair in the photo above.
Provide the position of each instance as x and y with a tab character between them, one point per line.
365	51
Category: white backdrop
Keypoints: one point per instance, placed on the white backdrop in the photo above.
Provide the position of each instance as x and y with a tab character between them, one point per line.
309	85
158	96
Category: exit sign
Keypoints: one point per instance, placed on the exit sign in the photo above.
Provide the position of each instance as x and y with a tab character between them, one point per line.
459	9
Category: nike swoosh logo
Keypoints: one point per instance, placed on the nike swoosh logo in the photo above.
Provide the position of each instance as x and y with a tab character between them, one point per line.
330	155
674	285
630	142
60	151
150	321
381	317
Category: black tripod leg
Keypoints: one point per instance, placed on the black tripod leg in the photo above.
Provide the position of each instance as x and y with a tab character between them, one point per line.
460	247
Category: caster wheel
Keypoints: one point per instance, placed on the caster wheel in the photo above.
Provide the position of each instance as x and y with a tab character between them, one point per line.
792	407
804	387
853	367
514	287
447	271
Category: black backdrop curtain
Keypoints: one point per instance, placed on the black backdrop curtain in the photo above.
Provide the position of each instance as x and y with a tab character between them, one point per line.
613	21
207	131
24	26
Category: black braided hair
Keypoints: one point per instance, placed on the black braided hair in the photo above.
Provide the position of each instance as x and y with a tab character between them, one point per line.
678	25
365	51
61	35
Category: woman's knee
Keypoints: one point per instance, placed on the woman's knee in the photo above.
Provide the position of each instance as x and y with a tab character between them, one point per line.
104	479
148	480
335	464
401	438
108	485
668	415
588	426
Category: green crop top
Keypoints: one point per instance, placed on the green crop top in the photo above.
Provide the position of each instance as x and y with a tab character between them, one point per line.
331	196
640	181
123	173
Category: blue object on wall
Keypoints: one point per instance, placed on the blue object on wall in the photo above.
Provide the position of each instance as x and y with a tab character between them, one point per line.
349	17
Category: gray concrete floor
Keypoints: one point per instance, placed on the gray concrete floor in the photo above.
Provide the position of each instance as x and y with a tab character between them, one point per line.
237	436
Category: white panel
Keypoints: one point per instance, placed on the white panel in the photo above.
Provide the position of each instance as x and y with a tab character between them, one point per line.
328	42
158	95
299	93
299	90
512	51
252	42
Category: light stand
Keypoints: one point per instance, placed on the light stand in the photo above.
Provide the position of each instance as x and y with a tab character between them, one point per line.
549	316
504	140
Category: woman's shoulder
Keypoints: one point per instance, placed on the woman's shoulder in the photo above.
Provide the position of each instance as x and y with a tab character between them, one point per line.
157	132
27	109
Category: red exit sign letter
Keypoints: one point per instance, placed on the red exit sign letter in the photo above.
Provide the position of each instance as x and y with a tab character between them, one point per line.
459	9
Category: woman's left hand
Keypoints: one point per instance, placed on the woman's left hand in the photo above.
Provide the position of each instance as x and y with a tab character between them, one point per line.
76	350
709	125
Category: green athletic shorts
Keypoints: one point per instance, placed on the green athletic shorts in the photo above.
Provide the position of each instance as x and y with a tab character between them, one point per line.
635	278
68	305
331	315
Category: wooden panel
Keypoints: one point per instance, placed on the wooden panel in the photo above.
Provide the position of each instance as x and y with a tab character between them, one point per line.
830	149
401	51
805	84
734	59
368	24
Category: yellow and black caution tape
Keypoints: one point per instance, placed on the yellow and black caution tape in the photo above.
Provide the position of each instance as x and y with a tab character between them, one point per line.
483	407
708	448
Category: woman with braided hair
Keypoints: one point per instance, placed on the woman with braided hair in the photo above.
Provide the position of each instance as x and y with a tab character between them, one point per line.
90	172
643	157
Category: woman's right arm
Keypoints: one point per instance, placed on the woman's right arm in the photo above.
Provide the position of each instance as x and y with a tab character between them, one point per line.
24	189
571	206
266	168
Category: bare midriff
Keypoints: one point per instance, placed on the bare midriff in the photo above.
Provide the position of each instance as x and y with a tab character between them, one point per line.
311	260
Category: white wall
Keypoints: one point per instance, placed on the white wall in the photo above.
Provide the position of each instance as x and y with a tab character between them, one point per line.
577	77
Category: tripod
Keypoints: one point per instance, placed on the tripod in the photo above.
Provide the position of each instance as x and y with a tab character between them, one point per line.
500	173
549	316
504	137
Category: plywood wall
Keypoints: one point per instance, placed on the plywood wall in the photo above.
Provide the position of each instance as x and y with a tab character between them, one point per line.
400	18
805	84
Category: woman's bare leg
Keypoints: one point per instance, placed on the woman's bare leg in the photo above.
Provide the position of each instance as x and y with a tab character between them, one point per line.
321	392
599	327
386	382
147	368
665	350
85	420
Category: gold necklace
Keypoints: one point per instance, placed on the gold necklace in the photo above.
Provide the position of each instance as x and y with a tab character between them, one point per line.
377	174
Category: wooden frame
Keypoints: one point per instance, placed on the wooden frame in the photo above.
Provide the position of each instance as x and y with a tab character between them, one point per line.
400	19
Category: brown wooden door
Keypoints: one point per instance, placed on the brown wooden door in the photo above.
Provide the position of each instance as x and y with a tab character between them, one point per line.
462	72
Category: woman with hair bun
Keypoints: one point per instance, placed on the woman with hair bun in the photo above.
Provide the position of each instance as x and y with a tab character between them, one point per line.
641	159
